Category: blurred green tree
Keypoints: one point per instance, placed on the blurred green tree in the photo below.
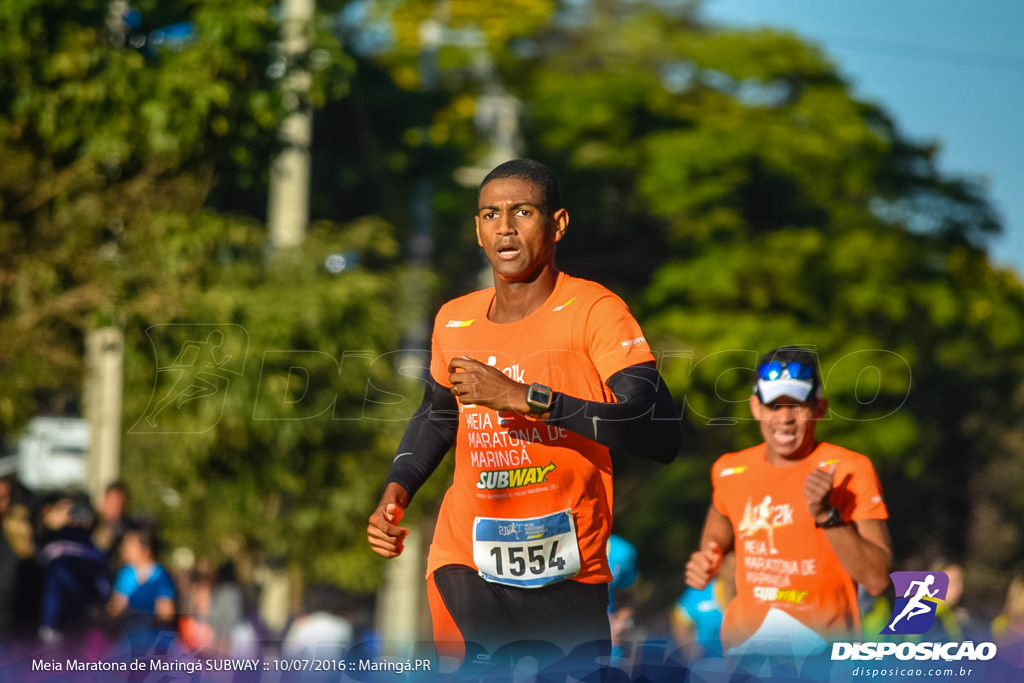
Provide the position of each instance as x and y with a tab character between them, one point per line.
112	139
288	453
133	146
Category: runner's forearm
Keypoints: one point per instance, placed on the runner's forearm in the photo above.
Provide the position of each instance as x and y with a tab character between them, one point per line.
644	422
864	551
428	438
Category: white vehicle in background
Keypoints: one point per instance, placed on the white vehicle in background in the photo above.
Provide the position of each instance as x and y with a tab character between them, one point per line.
53	453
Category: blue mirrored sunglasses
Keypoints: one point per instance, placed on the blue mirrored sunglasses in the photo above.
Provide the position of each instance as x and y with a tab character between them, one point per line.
772	370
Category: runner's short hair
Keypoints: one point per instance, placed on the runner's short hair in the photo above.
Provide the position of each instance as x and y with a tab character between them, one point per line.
532	172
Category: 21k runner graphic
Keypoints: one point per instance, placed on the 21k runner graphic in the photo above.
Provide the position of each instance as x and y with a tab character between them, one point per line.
914	612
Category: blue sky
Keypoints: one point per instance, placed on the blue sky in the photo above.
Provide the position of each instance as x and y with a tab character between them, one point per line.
952	72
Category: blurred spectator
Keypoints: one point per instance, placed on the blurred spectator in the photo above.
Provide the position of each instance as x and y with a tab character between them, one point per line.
697	616
875	613
8	565
226	608
623	563
19	574
622	559
6	495
1008	627
323	630
214	613
951	617
75	581
143	595
112	521
50	517
194	624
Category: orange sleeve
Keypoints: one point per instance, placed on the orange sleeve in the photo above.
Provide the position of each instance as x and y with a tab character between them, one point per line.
614	338
867	500
438	364
717	496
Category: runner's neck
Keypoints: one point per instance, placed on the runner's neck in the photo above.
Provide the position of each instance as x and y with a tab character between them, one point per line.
514	301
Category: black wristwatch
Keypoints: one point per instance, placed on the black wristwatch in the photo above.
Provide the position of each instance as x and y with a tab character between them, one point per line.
834	519
538	397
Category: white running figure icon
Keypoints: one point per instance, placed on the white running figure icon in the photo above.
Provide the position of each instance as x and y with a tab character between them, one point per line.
762	520
915	605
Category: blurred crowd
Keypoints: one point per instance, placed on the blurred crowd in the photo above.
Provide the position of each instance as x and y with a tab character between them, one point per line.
97	579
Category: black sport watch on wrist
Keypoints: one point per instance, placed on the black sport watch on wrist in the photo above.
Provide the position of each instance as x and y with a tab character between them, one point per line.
834	519
539	398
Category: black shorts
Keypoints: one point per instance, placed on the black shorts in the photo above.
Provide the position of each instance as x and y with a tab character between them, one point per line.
464	607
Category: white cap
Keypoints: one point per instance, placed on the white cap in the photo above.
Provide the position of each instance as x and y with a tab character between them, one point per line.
769	390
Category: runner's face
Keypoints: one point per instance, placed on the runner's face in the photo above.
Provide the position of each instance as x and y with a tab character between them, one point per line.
787	425
517	237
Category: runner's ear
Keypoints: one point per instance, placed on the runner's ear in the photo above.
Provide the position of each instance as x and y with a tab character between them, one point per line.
561	221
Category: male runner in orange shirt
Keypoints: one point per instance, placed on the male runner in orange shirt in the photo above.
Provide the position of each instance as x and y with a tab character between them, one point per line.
806	519
534	381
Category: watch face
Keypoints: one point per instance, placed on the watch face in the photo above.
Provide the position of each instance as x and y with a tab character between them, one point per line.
539	398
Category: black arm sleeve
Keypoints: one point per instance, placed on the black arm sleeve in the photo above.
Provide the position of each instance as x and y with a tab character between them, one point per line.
644	422
428	438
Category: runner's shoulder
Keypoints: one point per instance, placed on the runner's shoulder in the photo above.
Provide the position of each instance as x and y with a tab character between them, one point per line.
828	453
737	463
463	311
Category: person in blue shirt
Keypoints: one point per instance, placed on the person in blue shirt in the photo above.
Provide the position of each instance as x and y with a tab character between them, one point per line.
697	616
623	563
143	593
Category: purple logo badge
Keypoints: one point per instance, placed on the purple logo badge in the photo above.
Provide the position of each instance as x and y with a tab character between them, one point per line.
917	597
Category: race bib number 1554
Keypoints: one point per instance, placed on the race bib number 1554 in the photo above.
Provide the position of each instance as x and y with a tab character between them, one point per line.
526	553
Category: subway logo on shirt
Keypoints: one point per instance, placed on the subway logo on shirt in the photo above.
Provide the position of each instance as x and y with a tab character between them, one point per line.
516	478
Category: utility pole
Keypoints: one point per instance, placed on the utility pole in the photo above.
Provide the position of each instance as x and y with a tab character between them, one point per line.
401	596
288	208
104	379
288	201
496	119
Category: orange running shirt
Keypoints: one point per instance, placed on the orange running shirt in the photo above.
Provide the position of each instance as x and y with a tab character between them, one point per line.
531	503
782	559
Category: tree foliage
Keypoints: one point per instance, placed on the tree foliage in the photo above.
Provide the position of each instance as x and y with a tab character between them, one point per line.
109	150
120	158
289	453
